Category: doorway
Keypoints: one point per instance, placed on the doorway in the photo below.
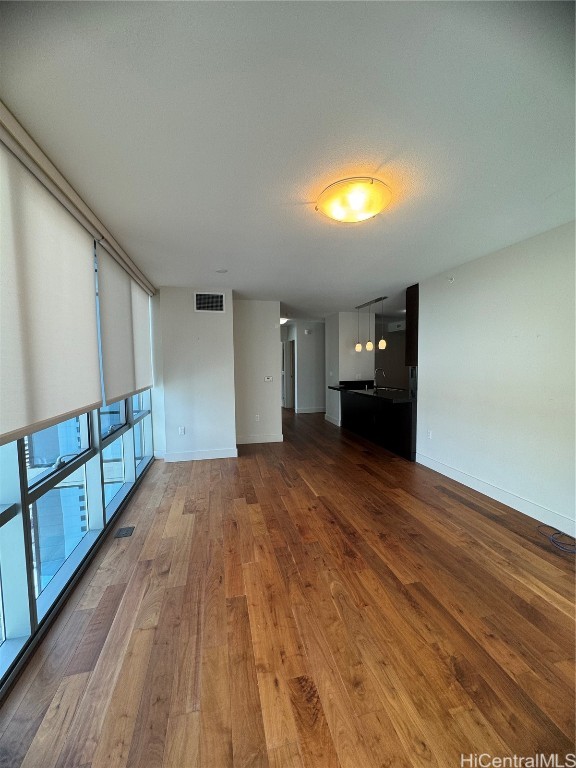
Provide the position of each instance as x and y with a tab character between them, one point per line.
288	370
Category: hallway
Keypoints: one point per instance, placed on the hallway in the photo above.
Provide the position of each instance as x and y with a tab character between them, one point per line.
317	603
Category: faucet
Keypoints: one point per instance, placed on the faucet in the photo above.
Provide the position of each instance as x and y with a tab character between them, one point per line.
375	372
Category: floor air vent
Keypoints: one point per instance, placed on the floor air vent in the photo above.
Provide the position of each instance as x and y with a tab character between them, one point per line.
122	533
209	302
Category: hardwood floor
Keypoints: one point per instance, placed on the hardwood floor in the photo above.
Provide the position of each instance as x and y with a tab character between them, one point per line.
313	604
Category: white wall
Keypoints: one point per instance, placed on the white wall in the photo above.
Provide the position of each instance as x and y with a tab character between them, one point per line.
194	377
355	365
257	354
310	387
332	369
496	376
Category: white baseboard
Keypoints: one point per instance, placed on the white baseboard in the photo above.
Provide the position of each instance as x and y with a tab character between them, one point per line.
332	420
248	439
319	409
160	455
216	453
529	508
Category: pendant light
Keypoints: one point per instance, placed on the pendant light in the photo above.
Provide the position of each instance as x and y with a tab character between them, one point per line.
369	343
382	342
358	346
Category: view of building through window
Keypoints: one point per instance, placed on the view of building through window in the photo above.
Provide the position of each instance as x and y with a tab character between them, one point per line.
51	520
59	522
2	630
52	448
113	468
112	417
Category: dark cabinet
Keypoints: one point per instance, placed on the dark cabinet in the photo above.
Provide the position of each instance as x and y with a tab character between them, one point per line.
380	420
412	304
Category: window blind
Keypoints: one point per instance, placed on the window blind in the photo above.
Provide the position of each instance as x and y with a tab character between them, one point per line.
116	334
124	331
49	366
141	331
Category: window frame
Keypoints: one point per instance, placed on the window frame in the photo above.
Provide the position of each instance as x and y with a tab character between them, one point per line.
42	608
79	458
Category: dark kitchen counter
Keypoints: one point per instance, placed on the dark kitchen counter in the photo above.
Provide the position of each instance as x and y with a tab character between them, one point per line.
390	394
386	416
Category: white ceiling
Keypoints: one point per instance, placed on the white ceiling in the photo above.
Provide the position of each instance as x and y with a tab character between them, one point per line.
201	133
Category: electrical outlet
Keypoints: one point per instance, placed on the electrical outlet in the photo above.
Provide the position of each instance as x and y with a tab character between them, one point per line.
257	417
181	430
429	434
268	378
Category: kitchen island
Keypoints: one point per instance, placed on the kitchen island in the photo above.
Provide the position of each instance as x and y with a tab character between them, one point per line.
386	416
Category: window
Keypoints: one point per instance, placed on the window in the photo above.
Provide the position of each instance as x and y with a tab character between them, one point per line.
15	621
113	467
57	527
140	403
51	449
112	417
66	467
139	448
143	449
2	629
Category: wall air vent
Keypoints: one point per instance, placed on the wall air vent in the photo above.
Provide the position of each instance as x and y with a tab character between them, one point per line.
209	302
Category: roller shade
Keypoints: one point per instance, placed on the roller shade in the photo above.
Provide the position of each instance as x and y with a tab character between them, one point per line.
49	365
141	331
124	331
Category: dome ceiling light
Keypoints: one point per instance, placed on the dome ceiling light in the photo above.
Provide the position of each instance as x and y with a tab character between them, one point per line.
353	200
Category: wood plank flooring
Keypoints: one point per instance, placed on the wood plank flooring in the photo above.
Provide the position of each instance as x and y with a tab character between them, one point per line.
313	604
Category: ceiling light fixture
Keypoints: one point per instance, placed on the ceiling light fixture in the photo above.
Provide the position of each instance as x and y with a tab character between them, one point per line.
353	200
382	342
358	346
283	320
369	344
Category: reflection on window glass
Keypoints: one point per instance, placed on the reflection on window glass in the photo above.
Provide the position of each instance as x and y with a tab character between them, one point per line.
136	404
59	522
141	402
112	417
139	449
2	630
54	447
113	464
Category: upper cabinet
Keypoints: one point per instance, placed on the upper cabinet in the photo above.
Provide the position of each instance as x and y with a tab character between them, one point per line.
412	302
